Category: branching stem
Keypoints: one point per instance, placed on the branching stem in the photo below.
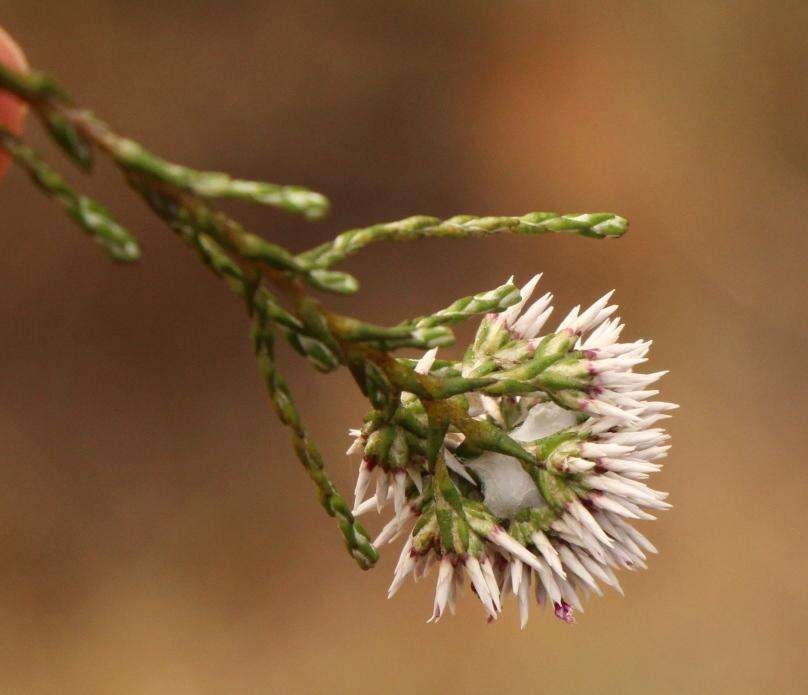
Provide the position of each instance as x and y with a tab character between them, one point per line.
274	283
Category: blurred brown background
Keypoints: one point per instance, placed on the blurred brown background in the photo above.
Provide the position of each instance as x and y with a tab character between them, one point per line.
157	534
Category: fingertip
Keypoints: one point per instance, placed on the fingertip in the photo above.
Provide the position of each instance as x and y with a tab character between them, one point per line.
12	110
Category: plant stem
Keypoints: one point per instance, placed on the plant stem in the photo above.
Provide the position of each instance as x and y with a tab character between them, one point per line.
91	216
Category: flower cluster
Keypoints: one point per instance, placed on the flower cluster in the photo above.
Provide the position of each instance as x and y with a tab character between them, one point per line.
529	482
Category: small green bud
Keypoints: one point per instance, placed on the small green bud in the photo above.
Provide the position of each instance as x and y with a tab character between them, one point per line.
554	346
399	453
554	489
379	390
378	444
318	354
426	533
567	373
333	281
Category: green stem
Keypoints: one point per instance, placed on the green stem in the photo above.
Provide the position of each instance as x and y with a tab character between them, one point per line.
91	216
597	225
70	126
356	538
206	184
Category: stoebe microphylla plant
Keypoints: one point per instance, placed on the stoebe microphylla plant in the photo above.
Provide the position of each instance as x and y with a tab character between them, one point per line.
527	481
517	468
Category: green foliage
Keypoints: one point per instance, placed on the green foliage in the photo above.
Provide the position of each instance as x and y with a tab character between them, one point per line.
92	217
412	411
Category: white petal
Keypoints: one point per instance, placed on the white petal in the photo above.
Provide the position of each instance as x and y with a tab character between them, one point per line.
357	446
624	466
442	589
491	408
606	502
455	466
491	581
582	514
362	482
480	586
594	315
549	582
591	450
569	595
524	598
597	569
406	564
601	407
415	475
382	492
515	569
511	313
571	561
569	320
535	317
364	507
425	363
399	490
579	465
635	534
393	527
501	538
548	552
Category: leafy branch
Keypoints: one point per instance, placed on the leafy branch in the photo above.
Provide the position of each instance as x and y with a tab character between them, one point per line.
275	285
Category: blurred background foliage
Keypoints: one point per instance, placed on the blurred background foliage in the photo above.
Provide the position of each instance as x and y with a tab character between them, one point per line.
158	535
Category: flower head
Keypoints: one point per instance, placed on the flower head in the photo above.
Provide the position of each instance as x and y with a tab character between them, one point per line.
535	475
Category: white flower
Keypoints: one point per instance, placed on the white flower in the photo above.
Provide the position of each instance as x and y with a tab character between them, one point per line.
591	422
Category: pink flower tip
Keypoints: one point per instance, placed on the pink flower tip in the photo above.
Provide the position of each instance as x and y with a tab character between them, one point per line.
563	611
